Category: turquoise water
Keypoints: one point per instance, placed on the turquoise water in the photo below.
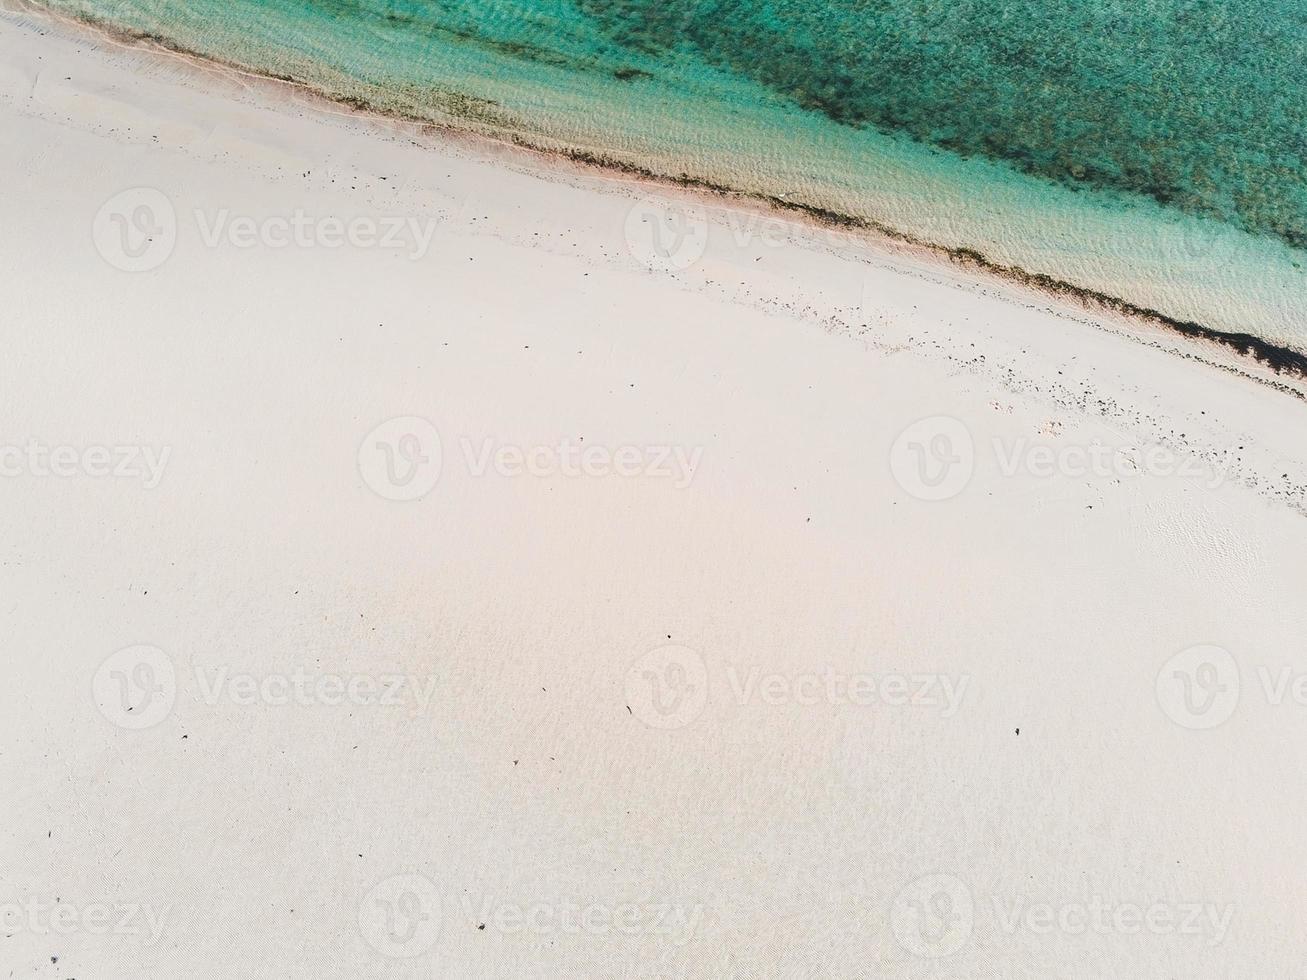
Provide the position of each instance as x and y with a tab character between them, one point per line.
1198	104
1154	150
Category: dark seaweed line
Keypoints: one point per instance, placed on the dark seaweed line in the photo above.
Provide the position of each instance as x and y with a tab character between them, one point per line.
1282	360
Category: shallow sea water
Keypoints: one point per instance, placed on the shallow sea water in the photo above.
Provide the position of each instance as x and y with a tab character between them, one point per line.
1154	151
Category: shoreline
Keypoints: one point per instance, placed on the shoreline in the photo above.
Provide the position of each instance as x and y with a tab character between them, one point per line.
1277	366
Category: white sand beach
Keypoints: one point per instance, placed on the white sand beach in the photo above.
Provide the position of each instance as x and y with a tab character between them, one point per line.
415	563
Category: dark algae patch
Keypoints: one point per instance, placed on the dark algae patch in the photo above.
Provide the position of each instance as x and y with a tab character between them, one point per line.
1200	105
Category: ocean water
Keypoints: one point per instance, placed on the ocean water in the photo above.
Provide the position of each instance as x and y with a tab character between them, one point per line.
1152	150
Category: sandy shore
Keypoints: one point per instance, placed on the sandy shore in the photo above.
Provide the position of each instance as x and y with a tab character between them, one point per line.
420	560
